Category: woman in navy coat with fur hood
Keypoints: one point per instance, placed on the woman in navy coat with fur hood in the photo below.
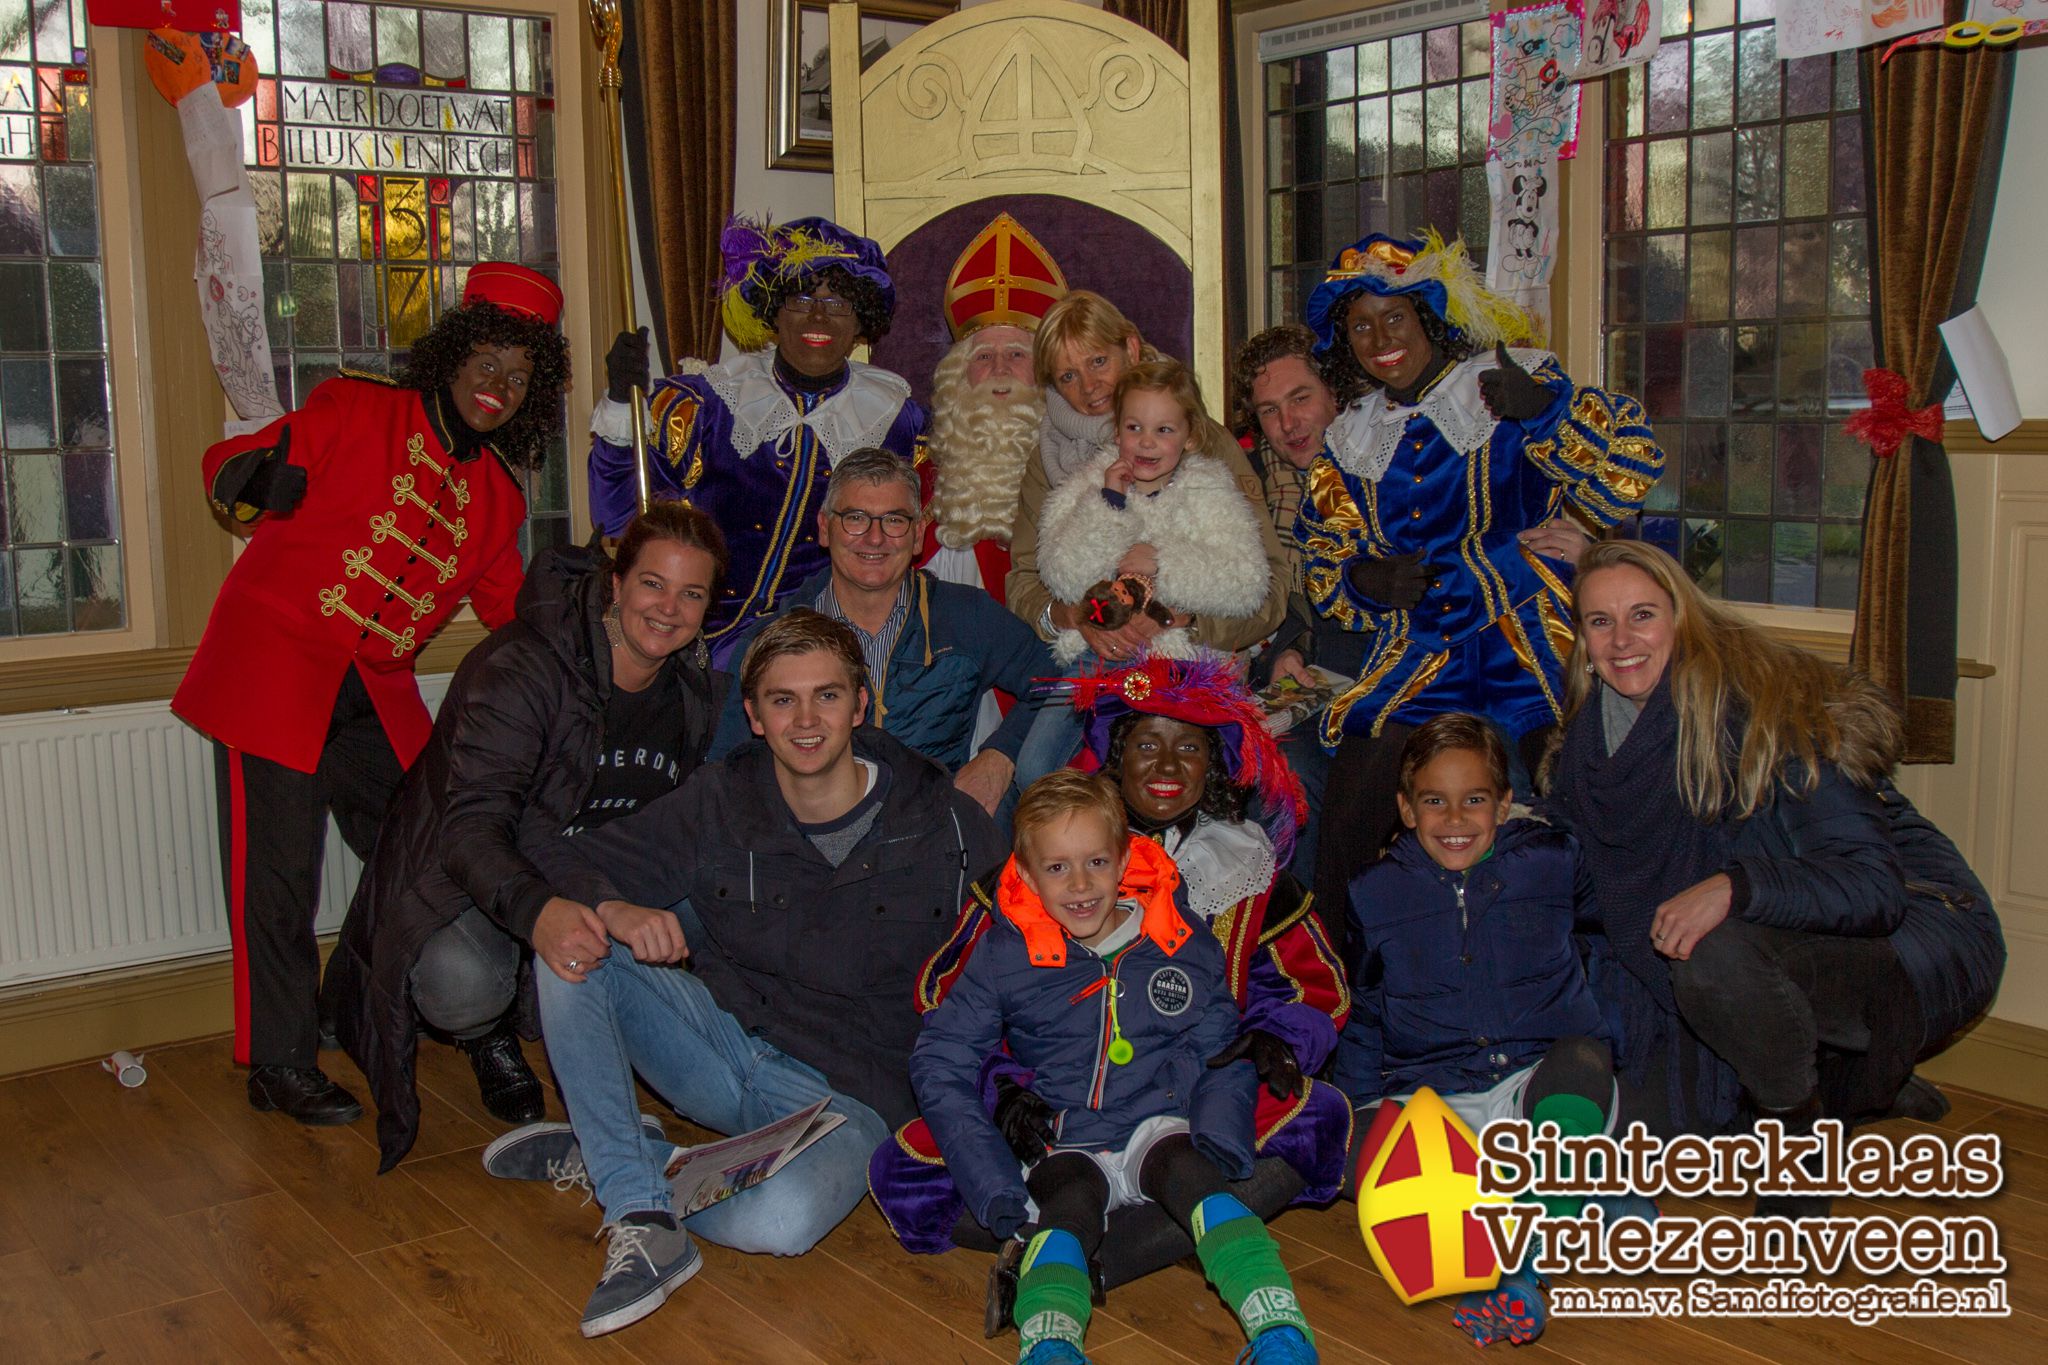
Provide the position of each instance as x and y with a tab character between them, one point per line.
1782	932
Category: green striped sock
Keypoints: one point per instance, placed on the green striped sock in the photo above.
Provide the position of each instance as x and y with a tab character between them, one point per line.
1243	1261
1053	1297
1575	1116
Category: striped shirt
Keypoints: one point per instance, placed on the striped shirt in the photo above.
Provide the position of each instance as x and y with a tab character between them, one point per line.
874	649
1284	486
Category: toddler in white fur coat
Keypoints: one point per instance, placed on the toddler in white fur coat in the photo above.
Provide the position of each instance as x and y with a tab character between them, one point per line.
1157	519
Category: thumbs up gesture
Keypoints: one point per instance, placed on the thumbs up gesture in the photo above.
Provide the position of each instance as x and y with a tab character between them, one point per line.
1508	391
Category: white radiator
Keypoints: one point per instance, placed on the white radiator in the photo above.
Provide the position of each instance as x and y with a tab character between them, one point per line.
108	850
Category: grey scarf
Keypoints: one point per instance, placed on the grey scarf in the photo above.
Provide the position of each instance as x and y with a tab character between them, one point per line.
1067	439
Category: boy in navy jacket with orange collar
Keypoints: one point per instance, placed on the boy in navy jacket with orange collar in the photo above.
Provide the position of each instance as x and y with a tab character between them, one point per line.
1099	983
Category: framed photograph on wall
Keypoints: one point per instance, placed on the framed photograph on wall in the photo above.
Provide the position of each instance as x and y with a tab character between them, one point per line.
800	69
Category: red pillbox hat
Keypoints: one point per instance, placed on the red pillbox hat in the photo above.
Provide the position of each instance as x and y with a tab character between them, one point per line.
515	289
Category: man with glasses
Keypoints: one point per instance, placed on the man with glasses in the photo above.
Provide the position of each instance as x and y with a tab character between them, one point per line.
751	441
931	647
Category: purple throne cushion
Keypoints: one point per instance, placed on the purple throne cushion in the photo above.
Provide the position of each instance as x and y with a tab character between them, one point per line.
1095	250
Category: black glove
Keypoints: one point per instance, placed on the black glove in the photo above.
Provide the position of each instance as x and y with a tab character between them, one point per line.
1024	1120
1273	1058
269	480
625	366
1397	583
1509	393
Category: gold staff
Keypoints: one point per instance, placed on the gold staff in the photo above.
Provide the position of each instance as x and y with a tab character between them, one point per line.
608	30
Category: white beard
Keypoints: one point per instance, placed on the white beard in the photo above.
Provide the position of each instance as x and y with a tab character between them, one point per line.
978	444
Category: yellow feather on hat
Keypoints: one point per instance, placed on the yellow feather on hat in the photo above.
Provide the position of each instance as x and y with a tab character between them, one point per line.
1484	316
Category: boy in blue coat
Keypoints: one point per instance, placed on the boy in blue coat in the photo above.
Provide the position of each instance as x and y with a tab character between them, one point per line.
1469	978
1114	999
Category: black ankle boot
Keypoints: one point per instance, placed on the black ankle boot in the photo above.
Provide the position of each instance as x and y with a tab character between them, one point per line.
1798	1121
504	1081
304	1093
1919	1099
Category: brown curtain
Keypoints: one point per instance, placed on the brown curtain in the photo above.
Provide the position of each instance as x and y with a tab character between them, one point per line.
1935	139
1167	18
682	111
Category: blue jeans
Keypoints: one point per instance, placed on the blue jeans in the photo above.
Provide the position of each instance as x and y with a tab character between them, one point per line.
660	1021
1055	735
1303	749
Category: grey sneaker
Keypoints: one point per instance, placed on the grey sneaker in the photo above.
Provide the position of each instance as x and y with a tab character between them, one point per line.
549	1151
643	1265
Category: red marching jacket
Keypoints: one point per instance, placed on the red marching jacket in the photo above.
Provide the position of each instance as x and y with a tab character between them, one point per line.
392	535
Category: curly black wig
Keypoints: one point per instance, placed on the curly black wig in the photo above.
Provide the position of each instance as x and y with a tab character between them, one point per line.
868	308
1348	379
435	357
1222	799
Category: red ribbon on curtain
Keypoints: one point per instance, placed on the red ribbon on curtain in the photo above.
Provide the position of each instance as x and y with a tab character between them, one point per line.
1887	422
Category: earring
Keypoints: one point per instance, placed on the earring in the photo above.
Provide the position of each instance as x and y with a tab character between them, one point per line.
702	653
1589	669
614	628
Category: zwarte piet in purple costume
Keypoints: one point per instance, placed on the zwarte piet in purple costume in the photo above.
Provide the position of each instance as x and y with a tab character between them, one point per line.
752	441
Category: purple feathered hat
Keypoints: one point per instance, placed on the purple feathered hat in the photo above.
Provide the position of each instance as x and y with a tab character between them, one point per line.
760	256
1206	690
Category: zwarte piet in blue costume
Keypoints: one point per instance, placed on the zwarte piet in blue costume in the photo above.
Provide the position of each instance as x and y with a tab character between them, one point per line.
1464	435
752	441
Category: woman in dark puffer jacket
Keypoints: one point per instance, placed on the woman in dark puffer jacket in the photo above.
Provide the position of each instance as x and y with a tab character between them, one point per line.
597	698
1778	920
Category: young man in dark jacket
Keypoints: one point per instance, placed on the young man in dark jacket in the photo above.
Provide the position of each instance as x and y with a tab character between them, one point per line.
821	864
933	649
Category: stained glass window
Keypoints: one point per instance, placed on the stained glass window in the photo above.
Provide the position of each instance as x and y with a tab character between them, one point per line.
390	148
1738	300
60	516
1387	136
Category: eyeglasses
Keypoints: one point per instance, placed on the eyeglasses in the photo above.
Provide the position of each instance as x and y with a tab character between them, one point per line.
895	525
813	303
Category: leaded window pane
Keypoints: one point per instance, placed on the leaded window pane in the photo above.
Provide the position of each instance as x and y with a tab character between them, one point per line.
390	148
1738	300
60	509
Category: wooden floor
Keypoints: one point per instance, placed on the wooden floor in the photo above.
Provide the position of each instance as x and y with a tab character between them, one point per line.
172	1223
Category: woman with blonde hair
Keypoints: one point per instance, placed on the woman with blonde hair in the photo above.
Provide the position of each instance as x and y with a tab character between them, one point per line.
1777	920
1081	349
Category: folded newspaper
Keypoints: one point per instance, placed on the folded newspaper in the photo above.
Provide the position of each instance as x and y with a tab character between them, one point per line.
699	1177
1288	703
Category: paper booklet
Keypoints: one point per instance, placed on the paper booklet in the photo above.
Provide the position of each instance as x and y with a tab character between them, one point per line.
699	1177
1288	703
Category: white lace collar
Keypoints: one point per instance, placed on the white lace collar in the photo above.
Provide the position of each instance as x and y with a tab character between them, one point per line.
1221	863
1365	435
860	414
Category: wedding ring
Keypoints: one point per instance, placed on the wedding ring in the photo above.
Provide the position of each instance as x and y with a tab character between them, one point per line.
574	965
